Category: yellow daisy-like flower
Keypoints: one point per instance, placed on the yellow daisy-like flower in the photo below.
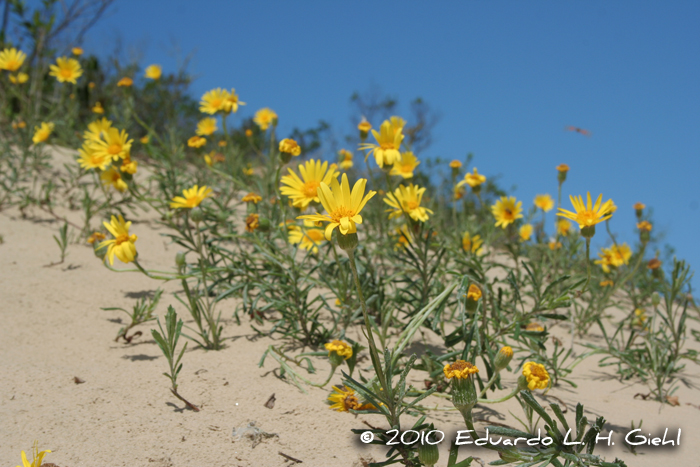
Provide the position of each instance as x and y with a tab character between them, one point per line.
587	215
129	166
341	348
460	370
364	126
66	70
122	245
345	159
96	237
405	167
206	126
472	244
615	256
544	202
386	151
343	207
644	226
563	168
606	283
536	375
97	108
455	164
506	211
639	206
407	199
125	82
196	142
19	78
77	51
248	170
344	400
97	129
474	292
42	132
11	59
473	179
112	177
302	191
264	118
251	198
37	457
563	227
114	143
525	232
252	222
145	139
308	238
191	198
90	160
214	101
232	102
289	146
153	72
397	123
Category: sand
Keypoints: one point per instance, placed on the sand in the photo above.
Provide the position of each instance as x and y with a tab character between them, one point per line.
53	330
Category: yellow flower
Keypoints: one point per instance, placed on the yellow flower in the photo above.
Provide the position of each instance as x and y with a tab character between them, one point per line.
344	400
290	146
457	193
606	283
19	78
251	198
536	375
644	226
11	59
404	237
397	123
252	222
232	102
206	126
339	347
459	369
554	245
196	142
563	168
98	109
472	179
506	211
405	166
153	71
342	206
66	70
407	199
145	139
96	237
112	177
525	232
223	143
364	126
474	292
129	166
192	197
472	244
214	101
345	159
125	81
77	51
42	132
37	457
248	132
90	160
213	157
455	164
544	202
640	316
639	206
534	327
122	245
386	151
308	238
97	129
587	215
116	144
248	170
264	118
302	191
615	256
563	227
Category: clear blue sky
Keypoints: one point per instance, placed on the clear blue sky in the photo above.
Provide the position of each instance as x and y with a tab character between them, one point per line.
507	77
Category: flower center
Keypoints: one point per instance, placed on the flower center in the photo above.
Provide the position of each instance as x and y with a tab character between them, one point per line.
309	188
508	214
386	146
351	402
216	103
114	149
587	217
121	239
411	205
12	65
340	213
66	72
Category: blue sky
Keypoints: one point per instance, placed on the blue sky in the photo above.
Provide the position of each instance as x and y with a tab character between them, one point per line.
506	77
